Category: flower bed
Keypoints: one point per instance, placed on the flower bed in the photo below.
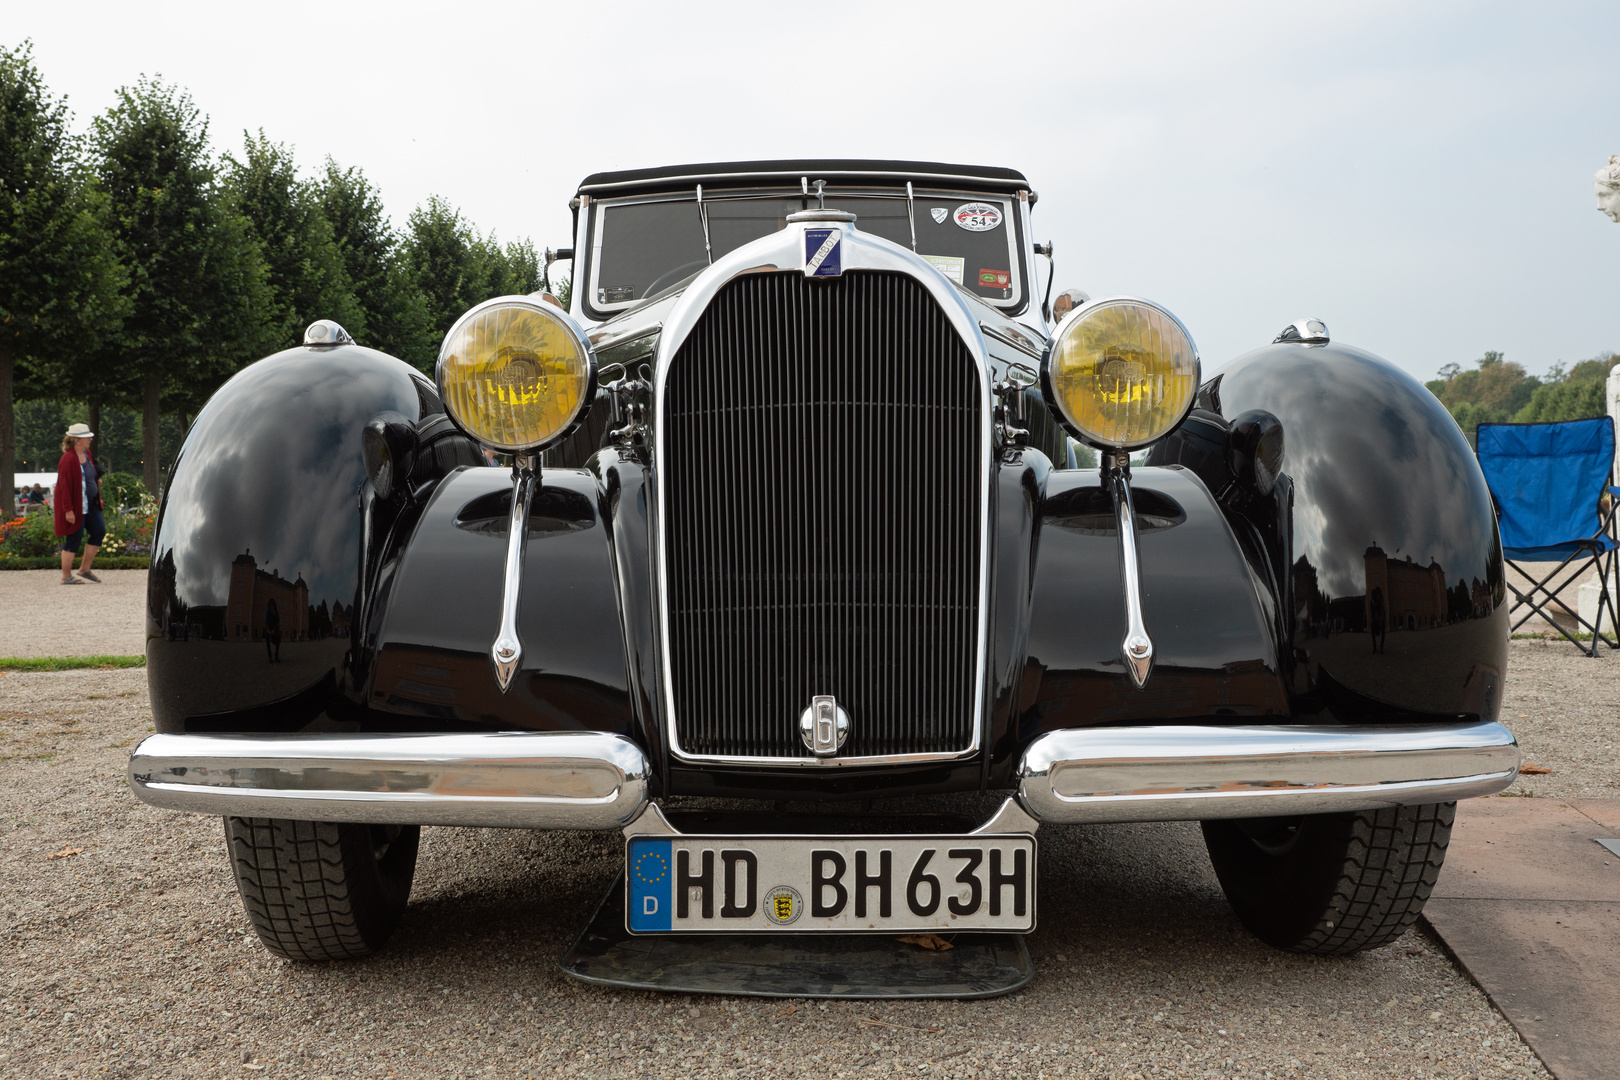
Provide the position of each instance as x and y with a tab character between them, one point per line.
30	543
130	534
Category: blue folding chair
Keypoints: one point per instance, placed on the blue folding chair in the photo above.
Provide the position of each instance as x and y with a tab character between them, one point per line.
1548	481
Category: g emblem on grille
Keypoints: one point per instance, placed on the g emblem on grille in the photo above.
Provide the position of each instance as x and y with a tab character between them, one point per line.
824	726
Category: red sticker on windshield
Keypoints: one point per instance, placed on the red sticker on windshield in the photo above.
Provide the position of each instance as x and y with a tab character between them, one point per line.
995	279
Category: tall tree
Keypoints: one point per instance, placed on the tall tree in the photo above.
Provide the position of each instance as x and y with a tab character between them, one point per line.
395	313
514	270
448	264
197	290
307	276
59	274
453	267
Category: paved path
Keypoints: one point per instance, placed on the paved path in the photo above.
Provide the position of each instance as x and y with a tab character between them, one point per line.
42	618
1530	904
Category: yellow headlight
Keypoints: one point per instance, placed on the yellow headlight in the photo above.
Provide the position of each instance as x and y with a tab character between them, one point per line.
1121	373
516	374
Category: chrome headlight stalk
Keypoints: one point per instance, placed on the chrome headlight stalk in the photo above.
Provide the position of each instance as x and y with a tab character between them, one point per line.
1122	374
517	374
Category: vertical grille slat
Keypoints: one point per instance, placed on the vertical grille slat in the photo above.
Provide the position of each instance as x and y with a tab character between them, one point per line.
823	518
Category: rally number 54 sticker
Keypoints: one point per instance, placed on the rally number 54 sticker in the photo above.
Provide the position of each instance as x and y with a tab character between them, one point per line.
977	216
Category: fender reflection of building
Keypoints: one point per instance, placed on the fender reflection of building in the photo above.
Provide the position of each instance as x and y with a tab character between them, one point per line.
1404	595
252	589
1398	595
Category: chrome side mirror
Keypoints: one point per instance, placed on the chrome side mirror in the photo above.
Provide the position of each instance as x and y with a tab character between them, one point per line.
1067	301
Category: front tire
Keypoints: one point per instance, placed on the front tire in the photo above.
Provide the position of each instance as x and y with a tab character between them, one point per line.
317	890
1330	884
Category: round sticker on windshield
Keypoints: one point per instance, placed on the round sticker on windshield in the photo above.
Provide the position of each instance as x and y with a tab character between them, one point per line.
977	216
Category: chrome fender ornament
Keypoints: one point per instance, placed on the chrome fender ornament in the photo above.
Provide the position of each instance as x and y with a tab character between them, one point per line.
824	726
507	650
1137	648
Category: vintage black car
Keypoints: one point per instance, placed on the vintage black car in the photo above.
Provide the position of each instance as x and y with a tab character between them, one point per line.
815	522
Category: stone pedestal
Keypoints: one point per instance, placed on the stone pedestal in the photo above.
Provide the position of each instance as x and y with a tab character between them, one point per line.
1612	397
1588	606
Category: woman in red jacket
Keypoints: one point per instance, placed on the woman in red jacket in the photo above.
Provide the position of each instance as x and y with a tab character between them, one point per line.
78	504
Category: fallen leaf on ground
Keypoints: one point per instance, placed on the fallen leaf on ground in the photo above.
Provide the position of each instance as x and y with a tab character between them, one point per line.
1534	770
927	941
789	1011
65	853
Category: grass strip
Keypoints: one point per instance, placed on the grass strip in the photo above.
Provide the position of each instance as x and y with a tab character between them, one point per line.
68	663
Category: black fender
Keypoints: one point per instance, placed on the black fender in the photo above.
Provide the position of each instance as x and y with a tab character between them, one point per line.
439	607
1394	575
267	501
1206	606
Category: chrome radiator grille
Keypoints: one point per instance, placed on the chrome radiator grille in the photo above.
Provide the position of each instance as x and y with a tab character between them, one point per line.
823	495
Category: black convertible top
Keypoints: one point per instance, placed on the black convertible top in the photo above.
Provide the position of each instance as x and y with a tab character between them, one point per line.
738	173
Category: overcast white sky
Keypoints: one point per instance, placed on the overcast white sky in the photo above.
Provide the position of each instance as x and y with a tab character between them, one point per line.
1418	175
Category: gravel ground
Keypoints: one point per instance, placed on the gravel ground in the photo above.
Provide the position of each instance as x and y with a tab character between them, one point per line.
131	957
1564	706
80	620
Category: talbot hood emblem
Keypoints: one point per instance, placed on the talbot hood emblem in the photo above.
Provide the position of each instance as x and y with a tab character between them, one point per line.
823	252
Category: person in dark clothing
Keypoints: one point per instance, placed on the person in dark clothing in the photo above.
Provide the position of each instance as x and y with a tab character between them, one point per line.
272	631
1378	619
78	504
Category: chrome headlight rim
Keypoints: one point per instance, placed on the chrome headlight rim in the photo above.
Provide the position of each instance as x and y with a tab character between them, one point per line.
569	326
1055	404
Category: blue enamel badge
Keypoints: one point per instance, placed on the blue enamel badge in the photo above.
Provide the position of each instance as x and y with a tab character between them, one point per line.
823	252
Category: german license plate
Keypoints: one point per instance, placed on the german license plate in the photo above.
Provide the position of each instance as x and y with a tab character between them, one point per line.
829	884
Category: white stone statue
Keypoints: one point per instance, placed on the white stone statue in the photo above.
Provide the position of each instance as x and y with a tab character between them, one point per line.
1607	185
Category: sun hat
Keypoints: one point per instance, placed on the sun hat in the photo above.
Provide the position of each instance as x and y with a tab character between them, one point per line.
80	431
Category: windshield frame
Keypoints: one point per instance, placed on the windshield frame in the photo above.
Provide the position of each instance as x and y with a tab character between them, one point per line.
1010	204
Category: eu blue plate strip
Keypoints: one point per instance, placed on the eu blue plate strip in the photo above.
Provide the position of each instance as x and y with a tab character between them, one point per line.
650	874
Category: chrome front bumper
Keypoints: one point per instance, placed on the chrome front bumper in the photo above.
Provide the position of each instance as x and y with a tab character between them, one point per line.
1186	772
527	780
594	780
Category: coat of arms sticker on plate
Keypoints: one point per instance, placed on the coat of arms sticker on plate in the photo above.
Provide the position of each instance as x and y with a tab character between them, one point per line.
939	214
978	216
783	905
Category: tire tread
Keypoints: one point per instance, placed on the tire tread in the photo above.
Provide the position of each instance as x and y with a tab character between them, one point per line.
291	877
1393	862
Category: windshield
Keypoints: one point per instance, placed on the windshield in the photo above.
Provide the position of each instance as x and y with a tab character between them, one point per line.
642	247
